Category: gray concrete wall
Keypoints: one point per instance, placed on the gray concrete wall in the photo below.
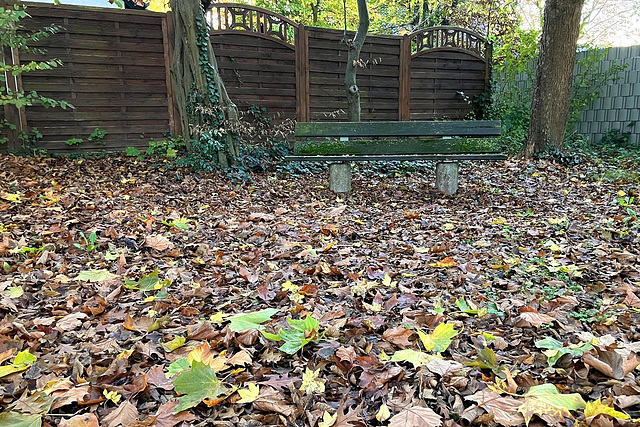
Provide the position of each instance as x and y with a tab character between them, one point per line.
618	104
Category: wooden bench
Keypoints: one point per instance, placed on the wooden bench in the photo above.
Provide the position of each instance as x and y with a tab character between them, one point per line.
445	150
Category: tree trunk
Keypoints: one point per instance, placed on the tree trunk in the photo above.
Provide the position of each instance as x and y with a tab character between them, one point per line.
353	59
552	91
201	98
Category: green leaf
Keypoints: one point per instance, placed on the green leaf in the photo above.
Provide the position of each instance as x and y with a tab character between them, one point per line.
178	366
196	384
487	359
96	276
549	404
16	419
149	282
440	339
416	358
21	362
555	349
245	321
14	292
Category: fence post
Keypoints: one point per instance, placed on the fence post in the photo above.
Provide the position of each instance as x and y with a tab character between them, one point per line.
301	43
488	60
167	43
404	89
16	117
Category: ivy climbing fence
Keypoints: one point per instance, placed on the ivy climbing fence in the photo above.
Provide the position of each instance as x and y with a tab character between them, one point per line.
116	73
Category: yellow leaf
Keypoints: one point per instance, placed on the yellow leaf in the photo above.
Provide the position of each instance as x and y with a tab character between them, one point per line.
113	396
622	194
21	362
11	197
416	358
327	420
383	413
596	408
175	343
387	282
498	221
448	226
440	339
217	318
445	263
288	286
311	381
384	357
249	394
549	404
125	354
375	307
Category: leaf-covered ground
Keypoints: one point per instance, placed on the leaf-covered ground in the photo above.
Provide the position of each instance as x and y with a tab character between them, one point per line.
515	300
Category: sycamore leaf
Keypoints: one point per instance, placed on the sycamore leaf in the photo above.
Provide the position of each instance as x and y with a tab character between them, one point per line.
311	381
16	419
503	409
96	276
175	343
416	358
178	366
416	417
11	197
593	409
21	362
487	359
196	384
440	339
245	321
549	404
470	307
249	394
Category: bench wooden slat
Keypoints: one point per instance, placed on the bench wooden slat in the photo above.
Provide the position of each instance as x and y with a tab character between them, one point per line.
471	128
398	157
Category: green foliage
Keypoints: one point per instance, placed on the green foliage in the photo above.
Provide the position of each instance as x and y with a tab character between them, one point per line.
245	321
97	136
89	244
132	152
74	141
555	349
304	331
169	148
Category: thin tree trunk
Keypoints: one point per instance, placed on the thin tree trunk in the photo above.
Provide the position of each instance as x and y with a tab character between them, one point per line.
190	78
552	91
353	59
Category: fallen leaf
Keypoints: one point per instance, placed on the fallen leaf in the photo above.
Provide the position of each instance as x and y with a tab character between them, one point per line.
416	416
158	242
125	414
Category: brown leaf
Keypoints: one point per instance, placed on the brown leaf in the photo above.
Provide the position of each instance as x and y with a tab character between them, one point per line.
166	418
416	417
349	419
70	321
157	377
240	358
611	363
202	331
271	400
345	356
158	242
83	420
398	336
503	409
527	319
123	415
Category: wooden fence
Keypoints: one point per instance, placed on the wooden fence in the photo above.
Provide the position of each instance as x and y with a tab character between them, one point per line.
116	73
270	61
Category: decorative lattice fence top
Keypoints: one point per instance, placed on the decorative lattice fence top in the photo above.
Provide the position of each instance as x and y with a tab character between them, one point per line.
232	17
448	38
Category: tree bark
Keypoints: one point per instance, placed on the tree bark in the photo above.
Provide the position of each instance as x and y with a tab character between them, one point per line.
191	78
353	59
552	90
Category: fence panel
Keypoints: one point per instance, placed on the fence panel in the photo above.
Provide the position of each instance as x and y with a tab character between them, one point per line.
114	73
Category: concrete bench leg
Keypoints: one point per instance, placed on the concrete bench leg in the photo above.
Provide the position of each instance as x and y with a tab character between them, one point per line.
447	177
340	177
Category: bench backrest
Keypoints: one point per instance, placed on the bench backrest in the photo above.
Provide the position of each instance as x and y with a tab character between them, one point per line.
471	128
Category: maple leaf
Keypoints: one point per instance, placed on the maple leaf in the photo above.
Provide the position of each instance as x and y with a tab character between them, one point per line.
158	242
416	416
440	339
197	384
399	336
311	382
548	403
